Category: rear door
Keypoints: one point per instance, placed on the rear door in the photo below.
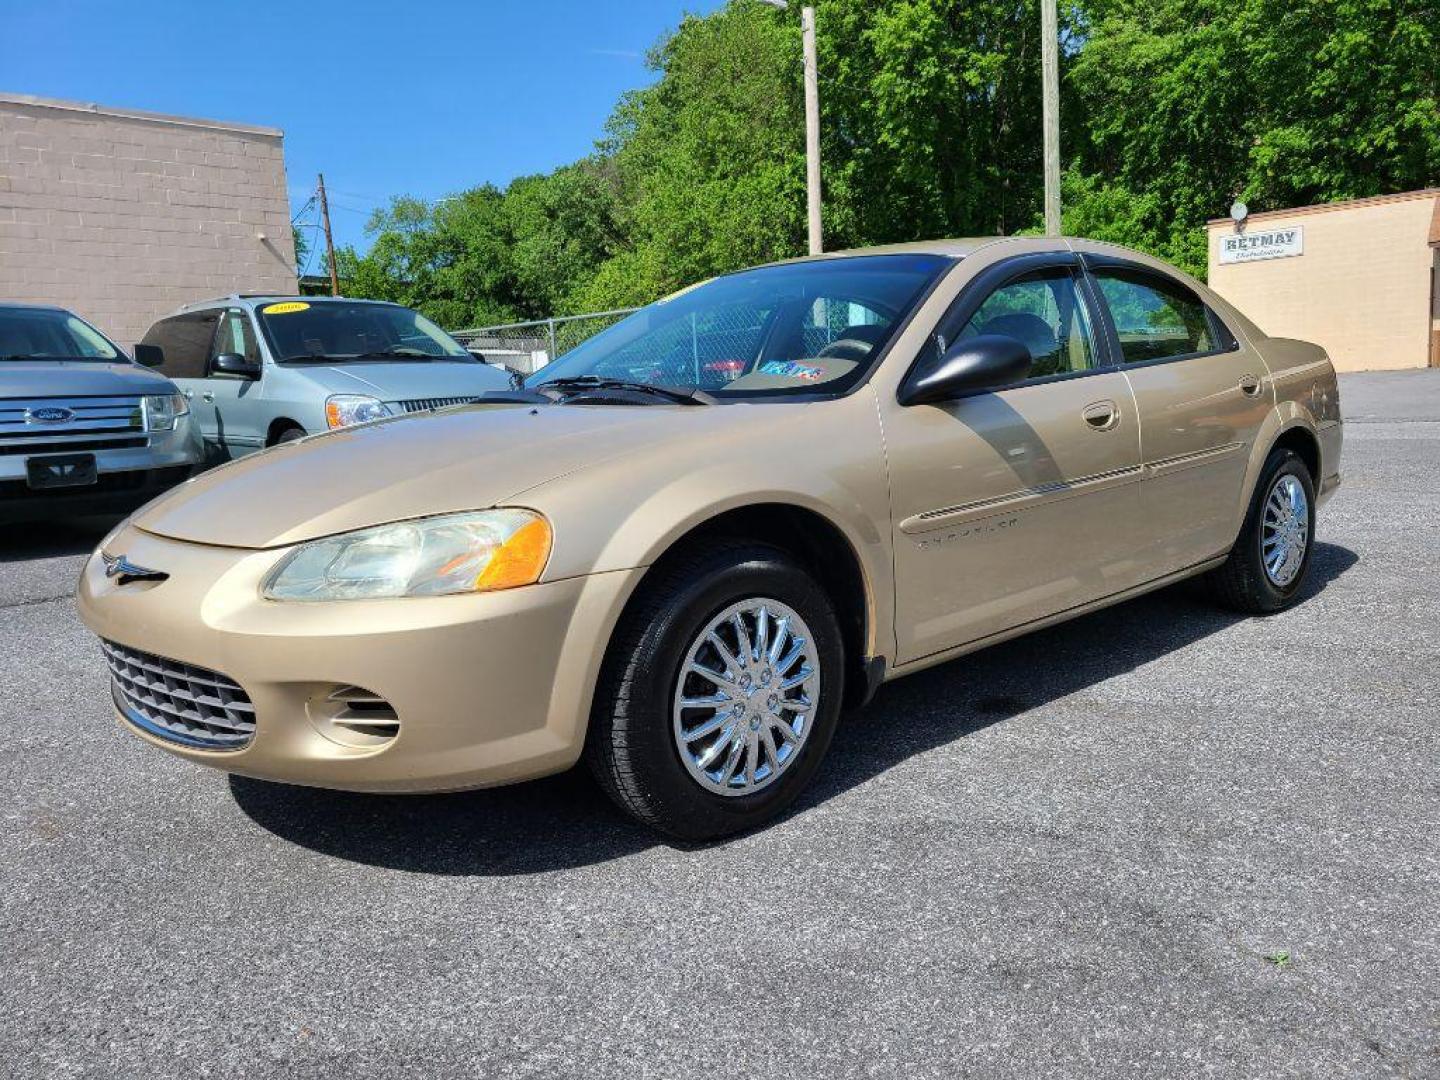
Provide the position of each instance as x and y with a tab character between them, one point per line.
1202	396
1015	504
241	414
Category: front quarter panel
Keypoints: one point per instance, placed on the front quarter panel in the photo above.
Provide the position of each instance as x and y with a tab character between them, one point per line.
826	457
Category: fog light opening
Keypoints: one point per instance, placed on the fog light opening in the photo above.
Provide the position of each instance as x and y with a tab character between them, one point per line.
356	717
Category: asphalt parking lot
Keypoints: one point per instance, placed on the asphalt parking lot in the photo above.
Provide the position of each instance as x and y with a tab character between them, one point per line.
1157	841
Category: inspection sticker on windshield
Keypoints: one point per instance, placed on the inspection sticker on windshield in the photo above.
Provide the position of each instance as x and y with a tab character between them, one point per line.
793	369
286	308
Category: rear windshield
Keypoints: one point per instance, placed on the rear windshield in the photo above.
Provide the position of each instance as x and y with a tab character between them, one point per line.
46	334
298	331
813	327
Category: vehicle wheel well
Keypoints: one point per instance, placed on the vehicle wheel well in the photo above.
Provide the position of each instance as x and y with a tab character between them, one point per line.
278	426
1304	444
822	549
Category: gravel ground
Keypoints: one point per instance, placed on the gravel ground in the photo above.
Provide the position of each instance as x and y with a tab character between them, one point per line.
1157	841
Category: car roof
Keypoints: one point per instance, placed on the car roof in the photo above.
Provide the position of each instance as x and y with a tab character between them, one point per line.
260	299
23	305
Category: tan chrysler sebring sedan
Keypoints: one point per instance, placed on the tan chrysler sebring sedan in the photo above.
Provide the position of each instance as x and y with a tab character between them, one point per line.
684	547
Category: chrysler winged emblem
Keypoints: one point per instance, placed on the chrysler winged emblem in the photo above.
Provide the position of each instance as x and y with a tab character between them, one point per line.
118	566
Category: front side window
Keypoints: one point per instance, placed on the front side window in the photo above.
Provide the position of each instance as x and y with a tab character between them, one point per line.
47	334
235	337
805	327
343	330
1155	319
1046	312
185	342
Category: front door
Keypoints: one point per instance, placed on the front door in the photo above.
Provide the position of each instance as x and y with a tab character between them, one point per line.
240	416
1202	396
1016	504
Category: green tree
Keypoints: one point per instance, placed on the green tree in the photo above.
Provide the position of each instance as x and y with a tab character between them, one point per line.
1182	105
931	127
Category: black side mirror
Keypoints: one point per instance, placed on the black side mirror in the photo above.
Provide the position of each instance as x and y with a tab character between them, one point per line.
151	356
234	364
967	367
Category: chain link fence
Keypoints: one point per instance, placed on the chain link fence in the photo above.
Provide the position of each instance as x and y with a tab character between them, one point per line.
529	346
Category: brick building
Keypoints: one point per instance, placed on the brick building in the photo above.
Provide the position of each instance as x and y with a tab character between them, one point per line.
123	215
1361	278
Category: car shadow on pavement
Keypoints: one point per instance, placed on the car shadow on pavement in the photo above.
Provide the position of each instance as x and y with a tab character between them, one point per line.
53	539
564	821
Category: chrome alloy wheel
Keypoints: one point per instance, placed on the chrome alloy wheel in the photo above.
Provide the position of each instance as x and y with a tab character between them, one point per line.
1285	532
746	696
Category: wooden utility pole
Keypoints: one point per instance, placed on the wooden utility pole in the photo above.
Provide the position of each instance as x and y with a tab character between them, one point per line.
1050	107
812	130
330	240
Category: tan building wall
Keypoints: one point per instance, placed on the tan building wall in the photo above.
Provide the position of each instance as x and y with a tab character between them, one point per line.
1364	287
122	216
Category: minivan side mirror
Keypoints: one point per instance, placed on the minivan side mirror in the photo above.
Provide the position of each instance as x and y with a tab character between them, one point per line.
151	356
967	367
236	364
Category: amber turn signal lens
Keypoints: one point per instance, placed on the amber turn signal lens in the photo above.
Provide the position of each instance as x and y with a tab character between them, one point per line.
520	559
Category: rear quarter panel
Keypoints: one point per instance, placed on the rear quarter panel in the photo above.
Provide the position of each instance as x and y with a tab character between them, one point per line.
1307	395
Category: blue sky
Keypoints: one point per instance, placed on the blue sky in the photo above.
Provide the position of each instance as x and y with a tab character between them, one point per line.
421	98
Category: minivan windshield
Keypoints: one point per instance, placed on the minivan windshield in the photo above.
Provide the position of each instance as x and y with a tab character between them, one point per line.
813	327
51	334
330	330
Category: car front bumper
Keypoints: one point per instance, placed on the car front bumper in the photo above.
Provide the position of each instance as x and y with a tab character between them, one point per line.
126	477
487	688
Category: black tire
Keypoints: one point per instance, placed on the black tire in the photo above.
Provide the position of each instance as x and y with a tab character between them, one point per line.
1241	582
290	434
630	746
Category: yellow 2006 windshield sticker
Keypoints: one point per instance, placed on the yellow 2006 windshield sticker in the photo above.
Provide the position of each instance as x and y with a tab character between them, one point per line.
286	308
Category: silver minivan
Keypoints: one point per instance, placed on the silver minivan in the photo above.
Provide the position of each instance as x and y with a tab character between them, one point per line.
83	429
262	370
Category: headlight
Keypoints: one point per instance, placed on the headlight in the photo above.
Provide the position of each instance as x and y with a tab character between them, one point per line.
342	410
162	410
438	556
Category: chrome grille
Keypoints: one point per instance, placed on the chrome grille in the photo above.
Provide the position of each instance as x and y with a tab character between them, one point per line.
185	704
93	420
426	404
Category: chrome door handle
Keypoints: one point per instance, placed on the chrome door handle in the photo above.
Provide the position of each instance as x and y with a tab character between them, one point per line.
1250	385
189	393
1102	415
207	396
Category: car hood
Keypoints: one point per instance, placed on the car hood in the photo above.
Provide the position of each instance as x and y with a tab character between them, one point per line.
77	378
406	380
468	458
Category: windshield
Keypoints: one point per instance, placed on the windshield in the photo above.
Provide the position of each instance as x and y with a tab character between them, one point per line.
331	330
800	328
48	334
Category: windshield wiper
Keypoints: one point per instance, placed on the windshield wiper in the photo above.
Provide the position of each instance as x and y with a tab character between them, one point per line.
581	383
392	354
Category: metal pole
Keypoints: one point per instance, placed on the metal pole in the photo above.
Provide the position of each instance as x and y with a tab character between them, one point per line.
329	240
812	130
1050	66
551	324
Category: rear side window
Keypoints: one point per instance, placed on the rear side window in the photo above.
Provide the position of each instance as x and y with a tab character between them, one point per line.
1155	318
185	340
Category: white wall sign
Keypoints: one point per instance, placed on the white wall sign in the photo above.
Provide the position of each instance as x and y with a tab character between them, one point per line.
1266	244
